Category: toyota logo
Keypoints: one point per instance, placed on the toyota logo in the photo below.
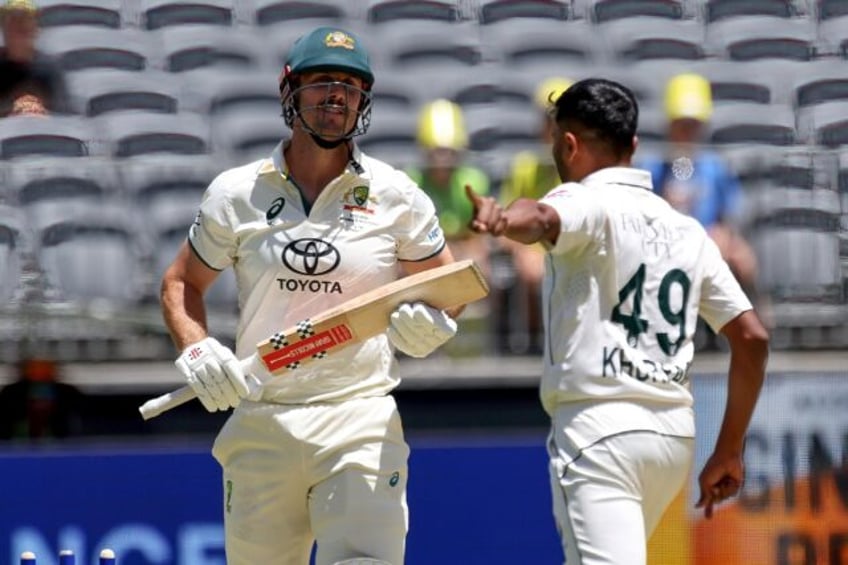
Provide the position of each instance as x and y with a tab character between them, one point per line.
310	256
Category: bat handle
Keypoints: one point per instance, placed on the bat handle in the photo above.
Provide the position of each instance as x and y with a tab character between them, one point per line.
156	406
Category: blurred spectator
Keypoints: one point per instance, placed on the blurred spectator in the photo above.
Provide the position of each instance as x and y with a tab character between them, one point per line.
30	83
443	140
696	180
38	406
532	174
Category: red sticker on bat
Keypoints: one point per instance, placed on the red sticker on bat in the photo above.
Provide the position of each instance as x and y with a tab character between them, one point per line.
307	347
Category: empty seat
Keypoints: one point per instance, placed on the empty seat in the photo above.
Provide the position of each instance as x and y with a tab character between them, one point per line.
834	36
715	10
520	43
825	124
821	81
103	13
12	225
94	256
800	264
382	11
745	122
129	134
492	11
318	12
640	39
391	137
748	38
58	136
157	14
85	47
218	91
831	9
601	11
99	91
189	47
158	184
48	190
247	134
422	44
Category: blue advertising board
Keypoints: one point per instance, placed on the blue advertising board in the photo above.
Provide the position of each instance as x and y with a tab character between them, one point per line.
480	499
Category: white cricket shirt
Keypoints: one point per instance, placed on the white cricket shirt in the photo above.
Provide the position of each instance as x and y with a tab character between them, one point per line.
291	263
623	288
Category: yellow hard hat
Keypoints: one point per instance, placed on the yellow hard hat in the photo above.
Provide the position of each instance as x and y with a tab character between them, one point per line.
19	6
441	125
549	90
688	96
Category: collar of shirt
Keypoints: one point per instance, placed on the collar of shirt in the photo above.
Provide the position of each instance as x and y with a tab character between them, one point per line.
276	162
627	176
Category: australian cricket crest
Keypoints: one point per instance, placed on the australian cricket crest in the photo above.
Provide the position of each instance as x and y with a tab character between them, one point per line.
358	206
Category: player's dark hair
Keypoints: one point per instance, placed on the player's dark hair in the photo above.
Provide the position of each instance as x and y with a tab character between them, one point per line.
606	109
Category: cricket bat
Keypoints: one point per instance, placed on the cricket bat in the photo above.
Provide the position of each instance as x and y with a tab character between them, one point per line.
351	322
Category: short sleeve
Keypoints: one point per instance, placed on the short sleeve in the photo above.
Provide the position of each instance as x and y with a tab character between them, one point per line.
212	236
722	298
421	235
579	214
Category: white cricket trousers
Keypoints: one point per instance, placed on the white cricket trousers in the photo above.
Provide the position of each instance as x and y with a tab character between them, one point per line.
334	473
609	497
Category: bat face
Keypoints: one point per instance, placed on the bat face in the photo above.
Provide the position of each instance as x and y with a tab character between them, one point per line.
286	352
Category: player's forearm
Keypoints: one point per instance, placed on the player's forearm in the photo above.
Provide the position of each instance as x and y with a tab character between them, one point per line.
528	221
184	312
745	379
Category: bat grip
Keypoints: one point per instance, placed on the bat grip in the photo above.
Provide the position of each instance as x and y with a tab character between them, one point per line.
156	406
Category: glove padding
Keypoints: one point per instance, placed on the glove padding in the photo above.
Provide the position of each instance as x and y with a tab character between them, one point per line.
418	330
214	373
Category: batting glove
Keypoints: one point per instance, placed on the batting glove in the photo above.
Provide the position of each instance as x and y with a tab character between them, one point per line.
418	330
214	373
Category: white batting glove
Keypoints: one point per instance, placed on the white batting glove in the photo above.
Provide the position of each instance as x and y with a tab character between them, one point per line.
214	373
418	329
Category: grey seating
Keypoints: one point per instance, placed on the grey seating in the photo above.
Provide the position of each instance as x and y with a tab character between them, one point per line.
492	11
158	184
266	13
248	134
601	11
215	90
715	10
99	91
58	136
751	38
129	134
12	225
157	14
834	35
630	40
821	81
825	124
415	44
103	13
85	47
748	122
93	256
188	47
520	43
827	10
391	137
49	190
383	11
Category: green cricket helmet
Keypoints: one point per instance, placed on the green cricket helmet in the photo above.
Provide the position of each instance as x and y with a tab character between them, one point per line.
327	49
